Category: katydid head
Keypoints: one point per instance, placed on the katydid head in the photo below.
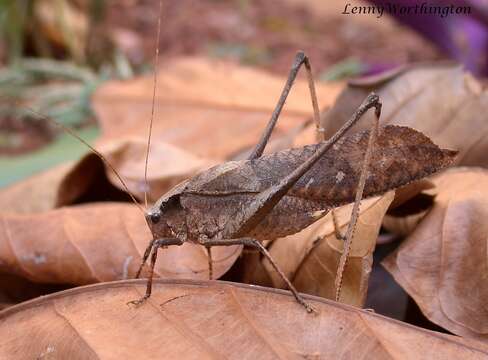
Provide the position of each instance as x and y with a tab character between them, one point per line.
165	218
156	221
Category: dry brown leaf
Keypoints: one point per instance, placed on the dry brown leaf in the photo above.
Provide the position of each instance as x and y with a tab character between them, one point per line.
94	243
86	181
210	108
443	263
200	320
310	258
65	184
442	101
190	83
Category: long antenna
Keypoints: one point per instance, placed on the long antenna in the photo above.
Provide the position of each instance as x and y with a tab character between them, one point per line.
104	159
155	83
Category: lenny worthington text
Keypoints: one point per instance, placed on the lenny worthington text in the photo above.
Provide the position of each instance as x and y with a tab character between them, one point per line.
396	9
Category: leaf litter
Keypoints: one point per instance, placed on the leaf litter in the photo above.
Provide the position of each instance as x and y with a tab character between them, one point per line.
103	253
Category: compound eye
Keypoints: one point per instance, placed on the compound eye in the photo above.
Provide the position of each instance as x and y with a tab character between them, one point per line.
155	217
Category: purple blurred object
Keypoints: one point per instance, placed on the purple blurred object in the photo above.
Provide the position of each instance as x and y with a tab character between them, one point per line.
464	37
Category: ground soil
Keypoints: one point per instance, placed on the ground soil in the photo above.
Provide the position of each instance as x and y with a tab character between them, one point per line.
267	33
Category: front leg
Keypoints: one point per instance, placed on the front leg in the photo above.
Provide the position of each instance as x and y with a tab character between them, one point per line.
144	258
254	243
155	245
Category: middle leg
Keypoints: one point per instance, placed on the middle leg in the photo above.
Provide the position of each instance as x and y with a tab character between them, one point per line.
300	59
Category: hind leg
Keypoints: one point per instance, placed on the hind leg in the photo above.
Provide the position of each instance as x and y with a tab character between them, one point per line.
355	210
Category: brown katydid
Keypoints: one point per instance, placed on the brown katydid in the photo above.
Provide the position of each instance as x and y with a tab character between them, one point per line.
270	196
267	197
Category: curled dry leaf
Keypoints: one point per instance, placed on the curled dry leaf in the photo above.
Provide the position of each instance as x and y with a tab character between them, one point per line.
169	166
311	257
95	243
442	101
190	320
66	184
88	180
443	263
